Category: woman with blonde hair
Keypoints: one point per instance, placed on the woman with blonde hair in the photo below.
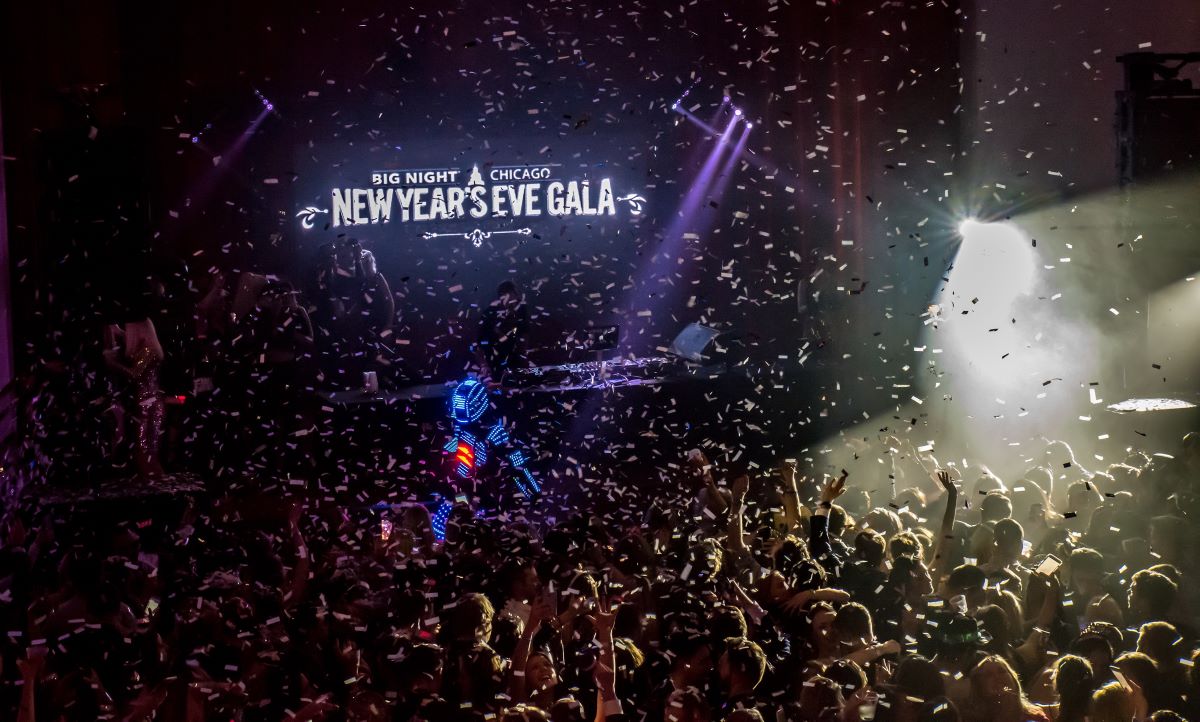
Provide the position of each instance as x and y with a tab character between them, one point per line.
1116	703
996	694
1074	684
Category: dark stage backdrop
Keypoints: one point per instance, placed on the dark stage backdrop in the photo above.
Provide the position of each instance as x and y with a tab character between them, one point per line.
824	246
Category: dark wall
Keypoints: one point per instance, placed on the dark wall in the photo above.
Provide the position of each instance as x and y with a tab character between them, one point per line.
1041	80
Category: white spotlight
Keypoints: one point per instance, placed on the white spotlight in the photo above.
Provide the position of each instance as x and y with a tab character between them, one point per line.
996	344
968	225
995	258
737	112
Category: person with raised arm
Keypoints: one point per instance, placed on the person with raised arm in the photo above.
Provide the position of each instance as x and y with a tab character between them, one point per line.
608	704
940	554
820	546
709	498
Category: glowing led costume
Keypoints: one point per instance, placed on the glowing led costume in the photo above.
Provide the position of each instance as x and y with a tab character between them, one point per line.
474	443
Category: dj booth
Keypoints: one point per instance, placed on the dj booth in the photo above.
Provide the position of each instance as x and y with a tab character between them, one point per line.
568	417
691	355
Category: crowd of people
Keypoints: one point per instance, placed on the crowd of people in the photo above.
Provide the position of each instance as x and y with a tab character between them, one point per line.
955	595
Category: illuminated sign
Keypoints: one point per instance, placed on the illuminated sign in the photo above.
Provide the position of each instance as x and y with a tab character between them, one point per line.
444	194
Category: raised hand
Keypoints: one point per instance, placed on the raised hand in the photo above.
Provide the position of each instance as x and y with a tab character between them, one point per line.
741	485
883	672
1033	650
605	671
701	467
541	611
943	477
604	622
788	473
1038	639
834	488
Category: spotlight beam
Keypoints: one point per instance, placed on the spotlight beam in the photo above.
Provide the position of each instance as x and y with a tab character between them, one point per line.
721	182
660	267
697	122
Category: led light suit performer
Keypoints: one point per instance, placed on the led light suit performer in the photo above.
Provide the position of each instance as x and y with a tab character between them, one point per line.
479	448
